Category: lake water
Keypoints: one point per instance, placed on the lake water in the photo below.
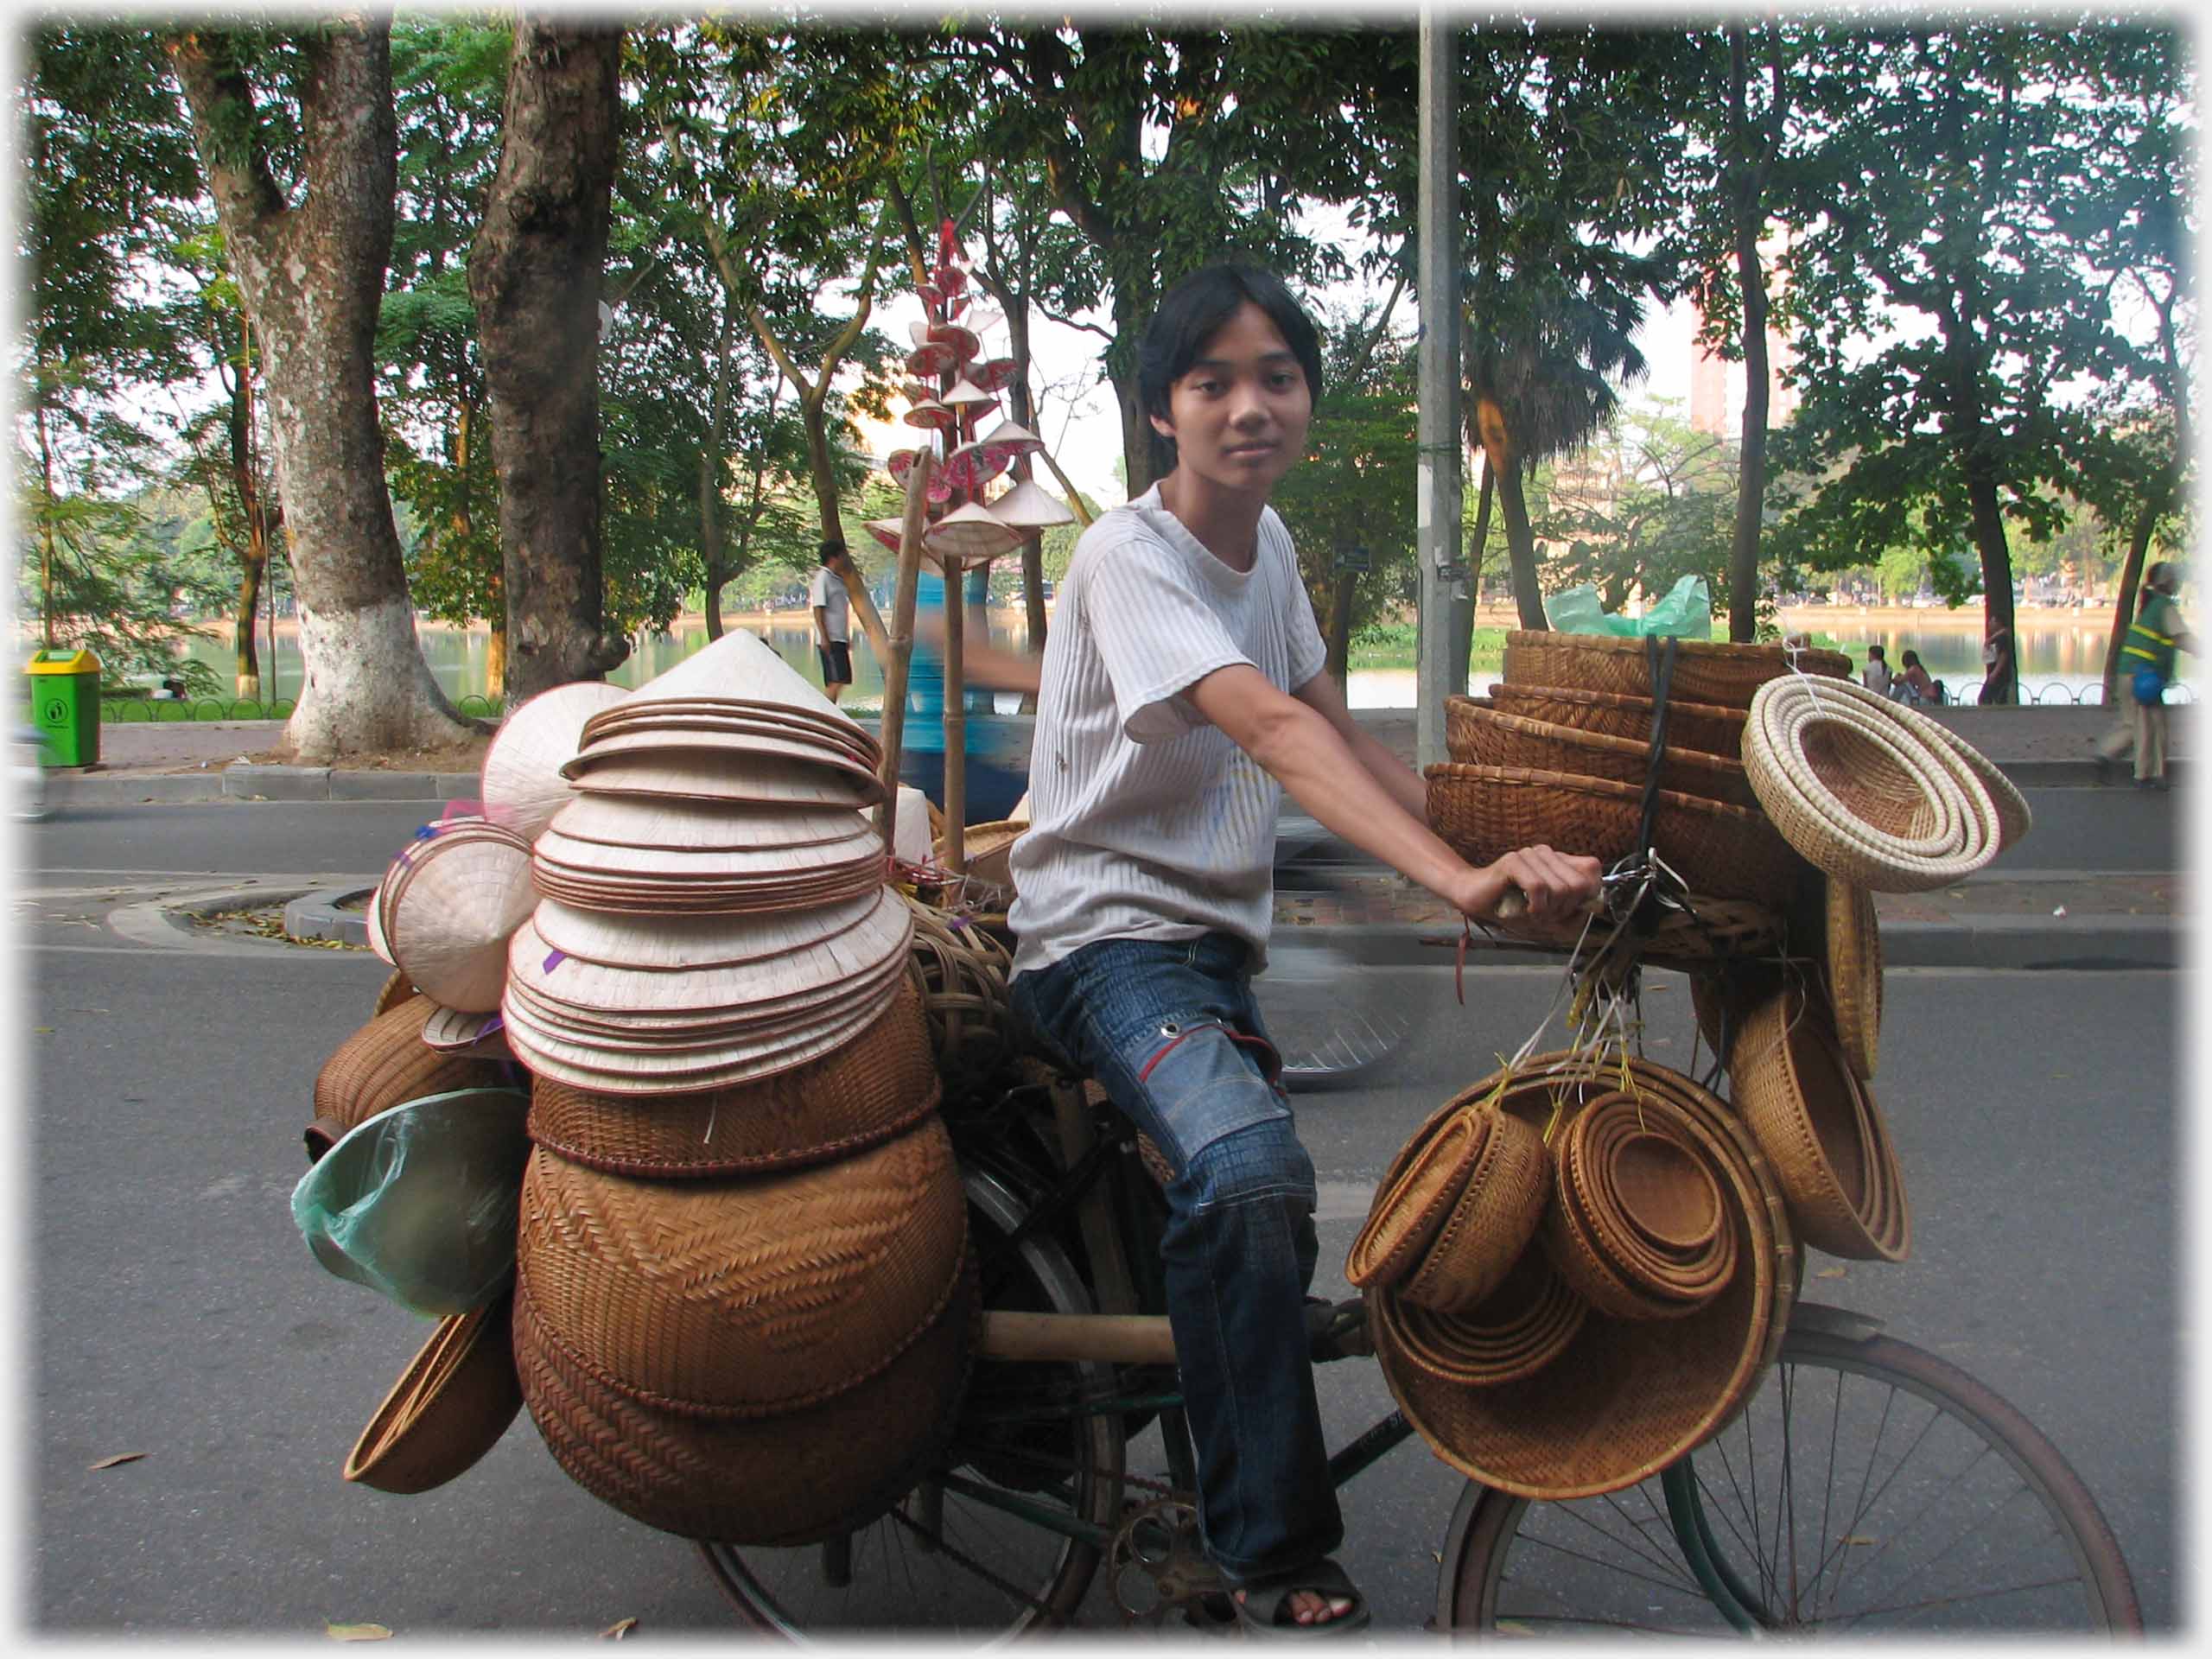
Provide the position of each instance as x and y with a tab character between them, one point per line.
2058	663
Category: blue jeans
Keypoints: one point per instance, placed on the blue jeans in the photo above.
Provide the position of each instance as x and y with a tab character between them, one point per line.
1171	1033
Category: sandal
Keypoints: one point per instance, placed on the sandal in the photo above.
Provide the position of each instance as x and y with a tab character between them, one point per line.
1264	1609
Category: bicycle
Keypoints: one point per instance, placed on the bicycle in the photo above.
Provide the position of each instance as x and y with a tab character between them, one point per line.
1864	1482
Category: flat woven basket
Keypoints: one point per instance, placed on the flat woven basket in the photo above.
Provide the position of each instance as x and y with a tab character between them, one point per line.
1626	1398
857	1096
1489	1226
1595	1256
1703	670
1708	728
1728	852
386	1064
1406	1214
1523	1326
1701	931
749	1297
796	1479
450	1408
1489	737
1853	943
1822	1133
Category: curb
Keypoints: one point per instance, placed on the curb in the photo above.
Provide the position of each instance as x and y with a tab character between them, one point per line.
317	915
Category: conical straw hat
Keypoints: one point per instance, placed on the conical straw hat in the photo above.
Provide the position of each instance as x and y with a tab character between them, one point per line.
900	462
689	1027
463	899
450	1032
1012	436
1026	506
521	786
862	849
962	340
688	826
974	465
676	775
674	722
709	942
796	723
613	1073
970	532
735	750
993	376
886	531
931	356
931	414
966	395
741	666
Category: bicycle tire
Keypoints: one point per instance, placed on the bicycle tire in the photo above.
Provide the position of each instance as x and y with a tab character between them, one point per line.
1614	1562
917	1568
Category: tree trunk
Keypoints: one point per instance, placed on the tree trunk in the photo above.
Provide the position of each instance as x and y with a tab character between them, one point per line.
311	278
1136	435
2131	573
1463	643
534	275
1032	545
1520	540
495	660
1751	483
1996	579
1343	591
711	545
253	559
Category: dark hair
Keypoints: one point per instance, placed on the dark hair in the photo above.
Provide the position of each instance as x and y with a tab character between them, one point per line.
1912	659
1876	651
1193	312
832	551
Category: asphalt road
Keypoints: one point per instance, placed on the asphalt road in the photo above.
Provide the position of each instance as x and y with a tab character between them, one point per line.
175	1312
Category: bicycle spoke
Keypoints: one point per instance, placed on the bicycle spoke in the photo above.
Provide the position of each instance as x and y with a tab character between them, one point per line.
1963	1596
961	1557
1679	1584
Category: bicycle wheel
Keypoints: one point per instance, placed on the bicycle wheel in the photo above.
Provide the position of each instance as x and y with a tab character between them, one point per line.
1868	1485
957	1556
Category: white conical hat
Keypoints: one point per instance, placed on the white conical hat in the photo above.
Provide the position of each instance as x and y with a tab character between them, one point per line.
743	667
887	531
1027	507
993	376
974	465
963	392
932	415
520	785
1012	436
970	532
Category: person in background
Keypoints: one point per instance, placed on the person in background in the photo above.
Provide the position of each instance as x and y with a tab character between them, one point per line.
1919	686
1875	677
997	748
1996	662
2146	664
832	620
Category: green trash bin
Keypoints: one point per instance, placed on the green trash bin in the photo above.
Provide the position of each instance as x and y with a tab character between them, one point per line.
66	705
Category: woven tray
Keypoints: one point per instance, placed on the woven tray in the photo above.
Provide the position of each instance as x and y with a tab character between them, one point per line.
1706	931
450	1408
1626	1398
385	1063
1708	728
1487	737
791	1479
1704	672
1729	852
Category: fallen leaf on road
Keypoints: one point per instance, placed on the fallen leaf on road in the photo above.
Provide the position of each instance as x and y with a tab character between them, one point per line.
1860	1538
42	1030
120	1456
355	1633
618	1630
1830	1273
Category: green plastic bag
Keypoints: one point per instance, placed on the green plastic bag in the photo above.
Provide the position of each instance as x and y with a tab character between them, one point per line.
420	1202
1686	613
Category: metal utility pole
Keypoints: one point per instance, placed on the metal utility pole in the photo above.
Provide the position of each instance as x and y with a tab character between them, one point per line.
1437	483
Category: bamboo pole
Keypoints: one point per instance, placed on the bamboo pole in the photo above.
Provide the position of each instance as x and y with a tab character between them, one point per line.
1131	1338
1075	500
899	649
955	716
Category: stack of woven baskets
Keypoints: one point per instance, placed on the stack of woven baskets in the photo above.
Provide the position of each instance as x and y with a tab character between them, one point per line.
1577	1267
1559	752
742	1306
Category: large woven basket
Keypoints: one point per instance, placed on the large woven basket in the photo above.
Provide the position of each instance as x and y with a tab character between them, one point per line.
384	1063
450	1408
1626	1398
795	1478
1592	1238
1489	1226
1489	737
1703	670
1820	1131
854	1097
1518	1329
749	1297
1728	852
1852	939
1708	728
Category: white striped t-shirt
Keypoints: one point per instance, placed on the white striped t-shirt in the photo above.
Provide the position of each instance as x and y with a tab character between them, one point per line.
1145	820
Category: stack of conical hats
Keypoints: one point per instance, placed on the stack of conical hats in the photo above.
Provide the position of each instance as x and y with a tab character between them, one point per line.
741	1307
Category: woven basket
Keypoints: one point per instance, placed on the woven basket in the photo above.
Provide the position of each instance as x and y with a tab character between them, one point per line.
1702	932
1523	1326
1728	852
395	990
450	1408
1406	1214
1707	727
1703	670
1625	1399
2014	820
1820	1133
854	1097
385	1063
1490	1224
791	1479
743	1297
1488	737
985	848
1595	1242
1852	963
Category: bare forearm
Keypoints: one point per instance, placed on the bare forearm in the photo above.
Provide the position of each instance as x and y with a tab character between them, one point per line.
1340	789
1403	783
